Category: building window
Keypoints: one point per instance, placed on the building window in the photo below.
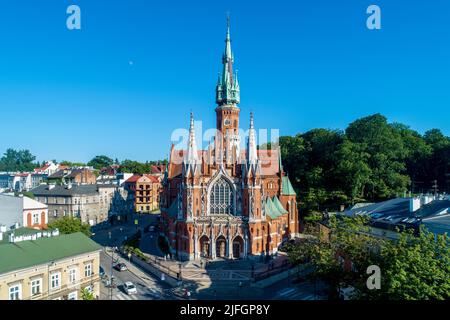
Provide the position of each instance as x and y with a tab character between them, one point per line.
221	197
64	213
72	275
55	280
35	218
55	213
72	296
88	270
15	292
36	287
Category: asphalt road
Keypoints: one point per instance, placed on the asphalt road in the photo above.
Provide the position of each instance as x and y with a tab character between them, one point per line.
148	287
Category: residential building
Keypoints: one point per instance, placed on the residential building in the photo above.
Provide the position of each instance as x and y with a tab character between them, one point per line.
148	188
15	181
225	202
22	211
48	168
144	191
49	268
82	175
91	203
38	179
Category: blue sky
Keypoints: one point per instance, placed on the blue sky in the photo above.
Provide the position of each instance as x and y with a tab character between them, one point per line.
302	64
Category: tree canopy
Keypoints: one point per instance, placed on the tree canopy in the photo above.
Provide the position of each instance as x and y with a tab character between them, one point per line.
136	167
372	160
100	162
67	225
18	160
412	268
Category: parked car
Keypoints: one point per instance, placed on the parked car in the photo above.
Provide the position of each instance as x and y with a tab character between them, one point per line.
121	267
130	288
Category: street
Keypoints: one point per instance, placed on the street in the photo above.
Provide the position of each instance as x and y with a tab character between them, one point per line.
148	287
151	288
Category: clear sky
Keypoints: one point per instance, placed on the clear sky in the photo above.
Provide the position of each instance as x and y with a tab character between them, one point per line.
135	70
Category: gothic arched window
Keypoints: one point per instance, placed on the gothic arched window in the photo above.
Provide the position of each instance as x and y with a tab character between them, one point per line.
221	198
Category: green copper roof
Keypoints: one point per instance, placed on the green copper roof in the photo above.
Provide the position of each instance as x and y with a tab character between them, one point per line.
173	209
227	89
25	254
274	208
279	206
286	187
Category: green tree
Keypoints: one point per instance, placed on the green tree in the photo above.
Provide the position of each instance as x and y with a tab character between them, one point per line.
386	156
67	225
72	164
21	160
87	295
415	267
100	162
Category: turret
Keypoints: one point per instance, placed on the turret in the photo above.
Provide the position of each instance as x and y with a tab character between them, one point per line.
191	162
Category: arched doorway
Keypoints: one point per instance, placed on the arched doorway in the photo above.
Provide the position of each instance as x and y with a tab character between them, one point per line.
221	247
238	247
204	246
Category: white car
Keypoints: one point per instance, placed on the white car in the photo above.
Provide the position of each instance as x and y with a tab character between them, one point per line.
130	288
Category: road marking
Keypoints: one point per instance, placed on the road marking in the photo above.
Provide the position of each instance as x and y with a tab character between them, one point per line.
286	292
123	296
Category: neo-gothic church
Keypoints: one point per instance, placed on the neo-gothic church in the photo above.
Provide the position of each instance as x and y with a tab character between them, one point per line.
224	202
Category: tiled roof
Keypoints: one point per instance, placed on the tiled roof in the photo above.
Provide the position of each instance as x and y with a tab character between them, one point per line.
133	178
43	190
269	159
152	178
30	253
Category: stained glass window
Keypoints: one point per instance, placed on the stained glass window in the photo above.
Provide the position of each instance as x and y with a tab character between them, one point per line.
221	198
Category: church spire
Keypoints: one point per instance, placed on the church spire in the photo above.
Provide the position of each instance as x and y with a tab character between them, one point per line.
192	155
251	149
227	90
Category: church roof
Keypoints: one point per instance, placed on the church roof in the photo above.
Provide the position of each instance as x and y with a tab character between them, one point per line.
286	187
279	206
274	208
269	160
173	209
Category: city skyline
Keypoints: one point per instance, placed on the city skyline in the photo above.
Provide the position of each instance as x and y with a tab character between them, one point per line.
133	69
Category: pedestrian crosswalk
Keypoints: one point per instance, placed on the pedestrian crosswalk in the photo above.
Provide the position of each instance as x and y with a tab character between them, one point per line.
124	296
295	294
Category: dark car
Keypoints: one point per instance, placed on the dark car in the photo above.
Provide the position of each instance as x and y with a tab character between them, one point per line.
121	267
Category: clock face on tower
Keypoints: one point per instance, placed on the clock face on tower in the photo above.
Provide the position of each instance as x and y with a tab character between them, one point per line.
227	122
